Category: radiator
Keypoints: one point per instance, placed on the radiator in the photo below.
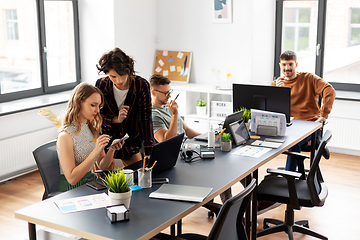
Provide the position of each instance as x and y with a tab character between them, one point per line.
345	133
16	153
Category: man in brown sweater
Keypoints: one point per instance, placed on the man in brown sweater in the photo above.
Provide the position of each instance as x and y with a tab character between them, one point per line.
305	91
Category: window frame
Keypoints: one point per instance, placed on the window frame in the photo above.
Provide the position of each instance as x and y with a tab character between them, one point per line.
45	89
320	41
13	23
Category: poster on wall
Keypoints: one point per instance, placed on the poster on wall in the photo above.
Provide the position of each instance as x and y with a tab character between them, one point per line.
222	11
174	65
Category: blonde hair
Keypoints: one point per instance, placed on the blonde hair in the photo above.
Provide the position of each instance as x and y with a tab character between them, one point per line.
80	93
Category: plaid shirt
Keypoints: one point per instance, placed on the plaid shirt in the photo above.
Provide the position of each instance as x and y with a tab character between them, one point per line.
138	123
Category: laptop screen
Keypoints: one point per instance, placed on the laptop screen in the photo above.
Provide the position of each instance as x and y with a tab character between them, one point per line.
239	132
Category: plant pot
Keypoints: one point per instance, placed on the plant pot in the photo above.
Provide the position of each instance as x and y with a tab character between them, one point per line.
226	146
120	198
201	111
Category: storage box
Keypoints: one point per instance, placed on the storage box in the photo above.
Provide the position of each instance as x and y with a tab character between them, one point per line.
117	213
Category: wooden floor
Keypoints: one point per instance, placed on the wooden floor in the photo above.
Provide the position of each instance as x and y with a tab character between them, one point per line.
337	219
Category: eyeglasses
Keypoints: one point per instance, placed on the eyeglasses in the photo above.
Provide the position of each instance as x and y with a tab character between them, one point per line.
167	94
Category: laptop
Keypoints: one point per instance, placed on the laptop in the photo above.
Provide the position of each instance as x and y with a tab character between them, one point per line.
166	154
229	119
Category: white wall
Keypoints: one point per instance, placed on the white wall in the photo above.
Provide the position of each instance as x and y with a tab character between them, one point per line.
97	35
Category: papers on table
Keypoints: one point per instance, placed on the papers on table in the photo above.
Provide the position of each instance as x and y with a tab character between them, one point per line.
250	151
83	203
181	193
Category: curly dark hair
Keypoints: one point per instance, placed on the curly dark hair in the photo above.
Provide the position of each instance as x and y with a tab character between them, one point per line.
116	59
288	55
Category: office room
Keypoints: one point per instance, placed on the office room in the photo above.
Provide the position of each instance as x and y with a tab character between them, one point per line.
244	47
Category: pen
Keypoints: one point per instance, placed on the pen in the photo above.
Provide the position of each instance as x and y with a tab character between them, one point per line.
220	134
153	164
176	96
95	140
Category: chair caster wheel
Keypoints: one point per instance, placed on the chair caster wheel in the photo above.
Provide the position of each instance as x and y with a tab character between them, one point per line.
210	214
266	225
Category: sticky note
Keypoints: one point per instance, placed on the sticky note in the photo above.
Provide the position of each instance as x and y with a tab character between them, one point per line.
165	53
158	69
165	73
178	68
172	68
161	62
180	55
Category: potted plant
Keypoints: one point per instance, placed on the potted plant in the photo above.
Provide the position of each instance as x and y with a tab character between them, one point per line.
225	142
246	116
118	187
201	107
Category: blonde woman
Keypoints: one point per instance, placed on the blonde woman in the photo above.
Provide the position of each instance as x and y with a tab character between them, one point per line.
77	150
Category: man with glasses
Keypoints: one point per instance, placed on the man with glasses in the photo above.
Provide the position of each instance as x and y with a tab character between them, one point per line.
165	116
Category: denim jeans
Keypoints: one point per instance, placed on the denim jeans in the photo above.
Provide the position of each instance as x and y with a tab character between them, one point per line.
291	163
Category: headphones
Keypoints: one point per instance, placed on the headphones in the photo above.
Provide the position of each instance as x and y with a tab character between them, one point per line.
187	154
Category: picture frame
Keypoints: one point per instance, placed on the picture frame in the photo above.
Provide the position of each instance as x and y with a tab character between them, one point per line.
175	65
222	11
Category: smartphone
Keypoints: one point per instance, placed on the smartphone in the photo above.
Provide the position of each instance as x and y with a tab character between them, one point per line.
96	185
115	142
160	180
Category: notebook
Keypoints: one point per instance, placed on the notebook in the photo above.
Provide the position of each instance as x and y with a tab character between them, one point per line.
181	193
166	154
229	119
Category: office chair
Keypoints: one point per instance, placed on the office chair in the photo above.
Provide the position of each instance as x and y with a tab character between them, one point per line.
47	161
228	225
296	190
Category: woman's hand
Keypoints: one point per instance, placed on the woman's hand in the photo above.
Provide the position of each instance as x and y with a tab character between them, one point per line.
118	145
123	113
101	142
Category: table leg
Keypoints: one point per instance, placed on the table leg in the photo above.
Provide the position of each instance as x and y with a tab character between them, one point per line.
254	207
172	230
32	231
179	225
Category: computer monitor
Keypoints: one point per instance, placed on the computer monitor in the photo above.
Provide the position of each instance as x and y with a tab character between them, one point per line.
268	98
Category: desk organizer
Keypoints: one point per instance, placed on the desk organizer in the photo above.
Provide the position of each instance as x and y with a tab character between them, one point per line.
117	213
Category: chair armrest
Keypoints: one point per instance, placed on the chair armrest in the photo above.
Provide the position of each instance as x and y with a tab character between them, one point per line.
300	161
163	236
290	177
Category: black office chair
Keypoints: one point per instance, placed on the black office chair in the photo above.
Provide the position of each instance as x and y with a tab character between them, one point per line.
296	190
47	162
229	223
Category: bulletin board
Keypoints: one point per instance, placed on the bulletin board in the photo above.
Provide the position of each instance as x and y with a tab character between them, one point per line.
174	65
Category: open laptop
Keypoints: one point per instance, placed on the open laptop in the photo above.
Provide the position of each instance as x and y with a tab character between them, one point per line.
229	119
166	154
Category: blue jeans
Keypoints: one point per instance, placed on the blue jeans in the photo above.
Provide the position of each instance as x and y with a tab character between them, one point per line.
291	163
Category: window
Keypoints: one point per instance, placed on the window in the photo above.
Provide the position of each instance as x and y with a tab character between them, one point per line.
355	27
326	37
45	56
11	25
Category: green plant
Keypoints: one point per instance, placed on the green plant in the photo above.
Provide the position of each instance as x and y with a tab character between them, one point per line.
226	137
116	181
247	114
201	102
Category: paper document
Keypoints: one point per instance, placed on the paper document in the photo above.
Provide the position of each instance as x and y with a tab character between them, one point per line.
181	193
250	151
260	143
83	203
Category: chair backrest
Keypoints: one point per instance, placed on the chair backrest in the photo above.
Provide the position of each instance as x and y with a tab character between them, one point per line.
315	182
47	160
229	224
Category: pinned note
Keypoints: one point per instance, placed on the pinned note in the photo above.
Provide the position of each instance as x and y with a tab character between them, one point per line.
161	62
165	73
172	68
178	68
165	53
158	69
180	55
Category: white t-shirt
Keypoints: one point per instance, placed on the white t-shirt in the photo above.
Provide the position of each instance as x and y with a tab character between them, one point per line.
120	96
